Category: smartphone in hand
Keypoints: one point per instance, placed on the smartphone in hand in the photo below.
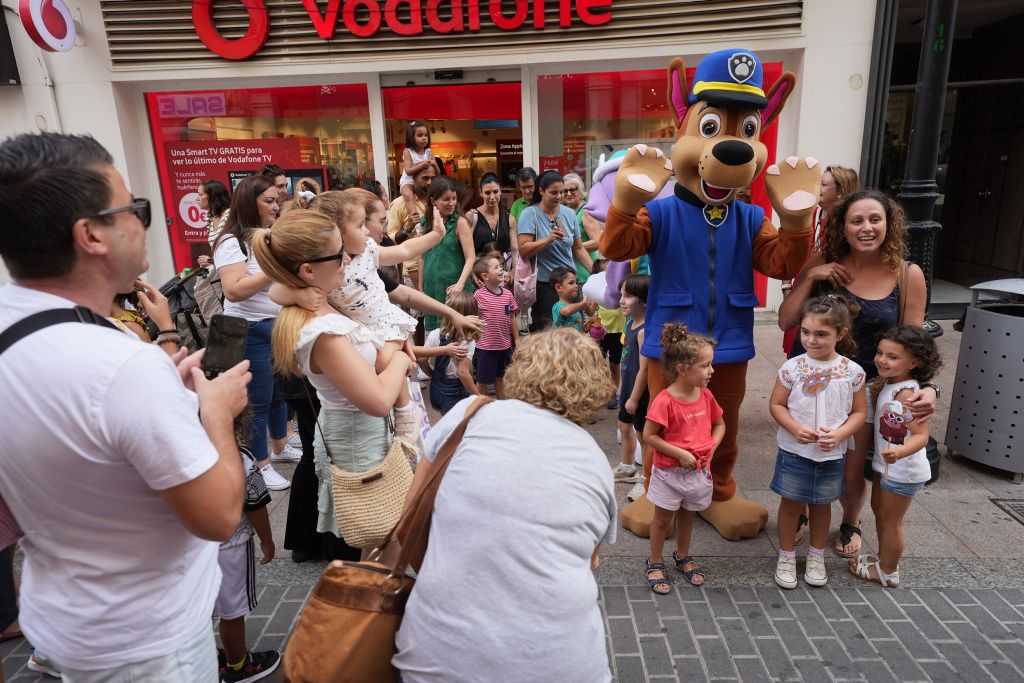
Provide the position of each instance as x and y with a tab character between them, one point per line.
225	345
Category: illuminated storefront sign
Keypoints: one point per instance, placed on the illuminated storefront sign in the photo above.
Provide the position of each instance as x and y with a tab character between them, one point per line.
366	18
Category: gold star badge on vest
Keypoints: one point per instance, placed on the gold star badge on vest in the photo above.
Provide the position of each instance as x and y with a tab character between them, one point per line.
715	215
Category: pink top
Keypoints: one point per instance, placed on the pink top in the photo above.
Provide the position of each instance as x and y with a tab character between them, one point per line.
496	310
686	425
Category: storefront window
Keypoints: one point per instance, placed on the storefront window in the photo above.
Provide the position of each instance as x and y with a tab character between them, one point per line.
320	134
474	128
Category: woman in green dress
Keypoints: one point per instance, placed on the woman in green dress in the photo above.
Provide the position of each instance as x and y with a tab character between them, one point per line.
448	266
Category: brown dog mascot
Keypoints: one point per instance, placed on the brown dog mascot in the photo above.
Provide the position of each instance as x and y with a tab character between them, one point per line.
704	246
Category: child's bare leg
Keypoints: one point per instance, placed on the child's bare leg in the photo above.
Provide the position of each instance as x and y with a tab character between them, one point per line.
856	491
820	517
409	195
684	529
659	527
232	634
499	388
789	516
616	377
628	443
891	509
384	356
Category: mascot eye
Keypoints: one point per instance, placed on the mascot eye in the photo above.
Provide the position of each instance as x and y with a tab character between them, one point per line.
750	126
710	124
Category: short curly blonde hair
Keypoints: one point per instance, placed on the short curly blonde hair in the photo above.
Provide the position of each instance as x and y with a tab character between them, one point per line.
562	371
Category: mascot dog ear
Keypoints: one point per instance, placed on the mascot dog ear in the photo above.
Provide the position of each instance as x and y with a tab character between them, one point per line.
678	93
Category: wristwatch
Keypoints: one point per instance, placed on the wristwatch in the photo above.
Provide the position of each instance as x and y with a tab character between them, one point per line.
930	385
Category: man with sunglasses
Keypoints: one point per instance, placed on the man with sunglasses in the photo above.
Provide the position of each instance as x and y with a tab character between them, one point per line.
119	463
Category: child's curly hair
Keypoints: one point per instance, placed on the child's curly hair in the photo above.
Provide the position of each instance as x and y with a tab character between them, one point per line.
918	344
680	346
562	371
835	311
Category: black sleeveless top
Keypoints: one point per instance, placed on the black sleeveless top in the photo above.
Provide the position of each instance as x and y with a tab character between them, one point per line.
484	233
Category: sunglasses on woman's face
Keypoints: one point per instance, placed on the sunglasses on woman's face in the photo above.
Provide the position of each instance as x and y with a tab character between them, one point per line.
340	256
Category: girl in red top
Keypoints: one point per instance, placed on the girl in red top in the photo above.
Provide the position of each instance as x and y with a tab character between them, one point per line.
684	427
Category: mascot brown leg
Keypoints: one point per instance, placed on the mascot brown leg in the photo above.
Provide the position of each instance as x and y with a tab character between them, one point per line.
732	516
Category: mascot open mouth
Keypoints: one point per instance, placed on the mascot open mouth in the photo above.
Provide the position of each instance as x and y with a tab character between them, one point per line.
714	193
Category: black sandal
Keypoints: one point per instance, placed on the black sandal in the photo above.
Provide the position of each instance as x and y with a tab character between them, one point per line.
659	586
846	534
689	574
801	529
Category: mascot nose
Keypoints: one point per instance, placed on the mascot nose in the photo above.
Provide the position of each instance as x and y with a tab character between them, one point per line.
733	152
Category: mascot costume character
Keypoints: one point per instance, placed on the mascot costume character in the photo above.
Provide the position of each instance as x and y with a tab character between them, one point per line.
704	246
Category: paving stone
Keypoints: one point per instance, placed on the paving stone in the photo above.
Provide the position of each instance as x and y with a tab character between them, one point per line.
937	603
775	659
985	622
680	639
931	627
254	626
629	670
940	672
828	604
812	670
882	602
901	663
1013	650
646	616
284	617
639	593
848	595
798	595
297	593
737	637
775	605
757	621
1014	596
670	605
976	643
716	658
743	594
690	669
616	604
962	662
809	616
833	656
657	660
268	600
721	602
959	596
623	636
853	639
793	638
752	670
865	617
699	615
1003	672
997	606
874	671
912	640
904	598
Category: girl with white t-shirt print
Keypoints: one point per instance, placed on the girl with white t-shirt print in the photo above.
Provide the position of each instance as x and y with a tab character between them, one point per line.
253	206
819	403
336	354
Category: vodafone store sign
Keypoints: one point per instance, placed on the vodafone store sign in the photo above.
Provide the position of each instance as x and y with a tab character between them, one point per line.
49	24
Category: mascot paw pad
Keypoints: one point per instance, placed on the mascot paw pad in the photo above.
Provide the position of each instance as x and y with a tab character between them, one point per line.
799	200
793	185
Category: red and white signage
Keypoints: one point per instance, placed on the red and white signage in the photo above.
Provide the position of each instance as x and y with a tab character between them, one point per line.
366	18
49	24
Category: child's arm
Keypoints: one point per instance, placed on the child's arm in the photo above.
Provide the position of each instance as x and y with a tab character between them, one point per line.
310	298
569	309
453	350
465	371
778	405
412	168
830	437
917	440
414	246
640	385
413	298
652	438
261	523
513	327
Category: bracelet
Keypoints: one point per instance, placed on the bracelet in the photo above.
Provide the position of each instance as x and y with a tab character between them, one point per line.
930	385
169	338
173	330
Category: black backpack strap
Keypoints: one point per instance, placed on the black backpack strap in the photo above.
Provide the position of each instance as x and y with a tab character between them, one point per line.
55	316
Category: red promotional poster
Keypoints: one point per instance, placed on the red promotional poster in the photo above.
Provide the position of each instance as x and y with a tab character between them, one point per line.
185	165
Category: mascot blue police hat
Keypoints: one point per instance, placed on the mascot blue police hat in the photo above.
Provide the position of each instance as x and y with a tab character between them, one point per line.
728	77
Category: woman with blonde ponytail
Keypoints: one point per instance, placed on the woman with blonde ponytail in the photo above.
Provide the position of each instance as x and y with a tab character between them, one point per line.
336	354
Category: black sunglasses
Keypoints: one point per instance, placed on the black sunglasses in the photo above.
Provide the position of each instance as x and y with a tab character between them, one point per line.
140	207
340	256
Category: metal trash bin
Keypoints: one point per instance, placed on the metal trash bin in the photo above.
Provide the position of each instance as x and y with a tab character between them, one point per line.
985	416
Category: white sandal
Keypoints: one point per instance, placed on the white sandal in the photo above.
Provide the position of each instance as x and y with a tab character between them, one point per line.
863	567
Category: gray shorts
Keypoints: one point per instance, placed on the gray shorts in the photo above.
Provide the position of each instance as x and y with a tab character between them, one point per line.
680	488
237	596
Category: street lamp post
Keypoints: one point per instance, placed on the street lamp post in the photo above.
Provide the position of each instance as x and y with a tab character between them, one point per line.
919	190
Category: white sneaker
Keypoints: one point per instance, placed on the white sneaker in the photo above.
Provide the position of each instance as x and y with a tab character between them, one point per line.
785	572
626	474
814	571
295	441
287	454
42	665
637	491
407	425
273	480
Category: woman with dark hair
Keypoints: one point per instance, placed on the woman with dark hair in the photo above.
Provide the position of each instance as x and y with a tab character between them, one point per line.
549	234
254	206
491	222
863	259
448	266
215	200
526	180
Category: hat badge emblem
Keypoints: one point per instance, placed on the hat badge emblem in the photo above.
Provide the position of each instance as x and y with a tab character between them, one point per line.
741	66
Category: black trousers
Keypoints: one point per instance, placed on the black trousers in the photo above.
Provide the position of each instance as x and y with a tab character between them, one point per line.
8	594
540	312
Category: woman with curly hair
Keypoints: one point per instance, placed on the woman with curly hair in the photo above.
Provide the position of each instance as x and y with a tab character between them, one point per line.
523	545
863	259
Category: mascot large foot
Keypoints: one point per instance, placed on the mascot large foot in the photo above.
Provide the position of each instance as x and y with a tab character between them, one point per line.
736	518
637	516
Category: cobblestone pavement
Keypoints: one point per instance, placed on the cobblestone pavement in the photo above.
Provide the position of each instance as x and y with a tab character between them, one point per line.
959	615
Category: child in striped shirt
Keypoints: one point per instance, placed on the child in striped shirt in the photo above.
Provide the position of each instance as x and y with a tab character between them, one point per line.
501	330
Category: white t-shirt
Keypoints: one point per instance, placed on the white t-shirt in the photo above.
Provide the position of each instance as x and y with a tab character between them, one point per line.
256	307
820	395
96	423
434	339
891	420
364	299
505	592
365	341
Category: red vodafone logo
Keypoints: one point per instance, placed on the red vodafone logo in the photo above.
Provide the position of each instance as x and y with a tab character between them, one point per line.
241	48
49	24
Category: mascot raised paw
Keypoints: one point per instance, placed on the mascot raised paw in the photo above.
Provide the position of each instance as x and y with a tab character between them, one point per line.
704	244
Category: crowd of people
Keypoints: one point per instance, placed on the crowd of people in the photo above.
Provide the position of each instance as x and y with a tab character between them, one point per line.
141	485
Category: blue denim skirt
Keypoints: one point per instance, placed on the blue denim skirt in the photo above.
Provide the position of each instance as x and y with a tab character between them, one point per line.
807	481
899	488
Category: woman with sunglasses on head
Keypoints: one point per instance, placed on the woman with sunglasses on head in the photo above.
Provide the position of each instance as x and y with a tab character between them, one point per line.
549	234
254	207
491	223
574	195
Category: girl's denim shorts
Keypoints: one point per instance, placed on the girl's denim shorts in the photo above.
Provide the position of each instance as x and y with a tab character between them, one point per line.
807	481
899	488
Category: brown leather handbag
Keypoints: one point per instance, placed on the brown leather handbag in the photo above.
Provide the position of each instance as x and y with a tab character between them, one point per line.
346	632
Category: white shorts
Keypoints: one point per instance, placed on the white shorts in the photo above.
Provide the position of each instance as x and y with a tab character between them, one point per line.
680	488
195	661
237	596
